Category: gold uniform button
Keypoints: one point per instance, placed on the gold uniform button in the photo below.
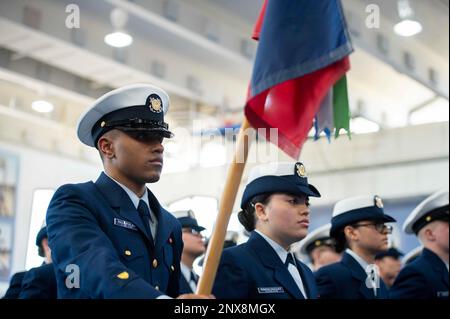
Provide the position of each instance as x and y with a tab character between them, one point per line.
155	263
172	267
127	253
123	275
157	288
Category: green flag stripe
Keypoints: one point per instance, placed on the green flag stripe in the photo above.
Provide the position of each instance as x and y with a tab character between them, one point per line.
341	110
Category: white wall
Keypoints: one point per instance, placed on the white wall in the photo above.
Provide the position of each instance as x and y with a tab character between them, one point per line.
39	170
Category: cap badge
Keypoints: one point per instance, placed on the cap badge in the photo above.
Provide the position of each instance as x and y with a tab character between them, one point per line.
300	169
378	202
155	103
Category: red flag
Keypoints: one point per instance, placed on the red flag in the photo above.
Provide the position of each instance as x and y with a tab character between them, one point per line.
303	51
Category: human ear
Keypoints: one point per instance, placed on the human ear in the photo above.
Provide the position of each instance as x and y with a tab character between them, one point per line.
260	212
106	147
350	233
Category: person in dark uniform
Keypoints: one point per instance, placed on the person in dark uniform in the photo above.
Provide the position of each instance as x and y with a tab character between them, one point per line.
319	247
358	227
412	255
194	246
275	209
111	238
40	282
231	240
15	286
427	276
389	265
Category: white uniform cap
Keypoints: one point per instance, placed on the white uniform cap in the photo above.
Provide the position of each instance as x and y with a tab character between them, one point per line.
315	237
427	211
354	209
183	213
124	97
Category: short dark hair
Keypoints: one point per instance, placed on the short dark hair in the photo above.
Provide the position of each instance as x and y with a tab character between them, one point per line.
247	215
340	241
41	252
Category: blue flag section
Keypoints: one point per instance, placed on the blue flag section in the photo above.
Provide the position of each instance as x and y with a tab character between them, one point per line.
303	51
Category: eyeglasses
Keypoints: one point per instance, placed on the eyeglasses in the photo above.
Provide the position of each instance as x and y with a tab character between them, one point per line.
379	227
192	231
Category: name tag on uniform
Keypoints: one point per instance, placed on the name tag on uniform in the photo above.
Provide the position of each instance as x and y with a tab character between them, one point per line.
270	290
442	294
124	223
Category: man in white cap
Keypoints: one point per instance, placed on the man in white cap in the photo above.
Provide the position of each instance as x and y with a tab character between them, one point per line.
111	238
358	227
319	247
194	247
427	276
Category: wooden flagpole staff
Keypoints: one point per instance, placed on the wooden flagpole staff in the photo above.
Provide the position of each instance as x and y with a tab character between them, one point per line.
217	239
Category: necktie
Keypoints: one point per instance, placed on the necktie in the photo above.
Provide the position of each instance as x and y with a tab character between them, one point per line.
295	273
290	260
144	212
194	277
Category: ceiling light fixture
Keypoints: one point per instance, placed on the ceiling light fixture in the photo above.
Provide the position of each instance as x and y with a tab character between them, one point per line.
407	27
42	106
119	38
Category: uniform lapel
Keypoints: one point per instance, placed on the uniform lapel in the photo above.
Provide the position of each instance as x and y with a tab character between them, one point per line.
121	202
270	259
308	282
437	264
164	227
359	274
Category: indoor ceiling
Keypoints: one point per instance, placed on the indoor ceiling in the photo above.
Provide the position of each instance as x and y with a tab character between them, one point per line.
377	89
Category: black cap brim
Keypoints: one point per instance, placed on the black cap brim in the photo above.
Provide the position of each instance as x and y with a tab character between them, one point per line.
164	132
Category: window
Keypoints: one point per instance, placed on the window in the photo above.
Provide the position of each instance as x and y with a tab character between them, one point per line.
41	199
206	209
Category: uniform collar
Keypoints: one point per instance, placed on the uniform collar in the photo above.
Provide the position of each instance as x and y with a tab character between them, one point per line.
133	197
358	259
281	252
185	271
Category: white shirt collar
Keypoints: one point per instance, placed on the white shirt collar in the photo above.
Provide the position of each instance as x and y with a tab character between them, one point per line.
359	259
281	252
134	198
185	271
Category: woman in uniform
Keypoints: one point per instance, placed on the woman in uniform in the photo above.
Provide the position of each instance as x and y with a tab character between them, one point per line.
275	209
